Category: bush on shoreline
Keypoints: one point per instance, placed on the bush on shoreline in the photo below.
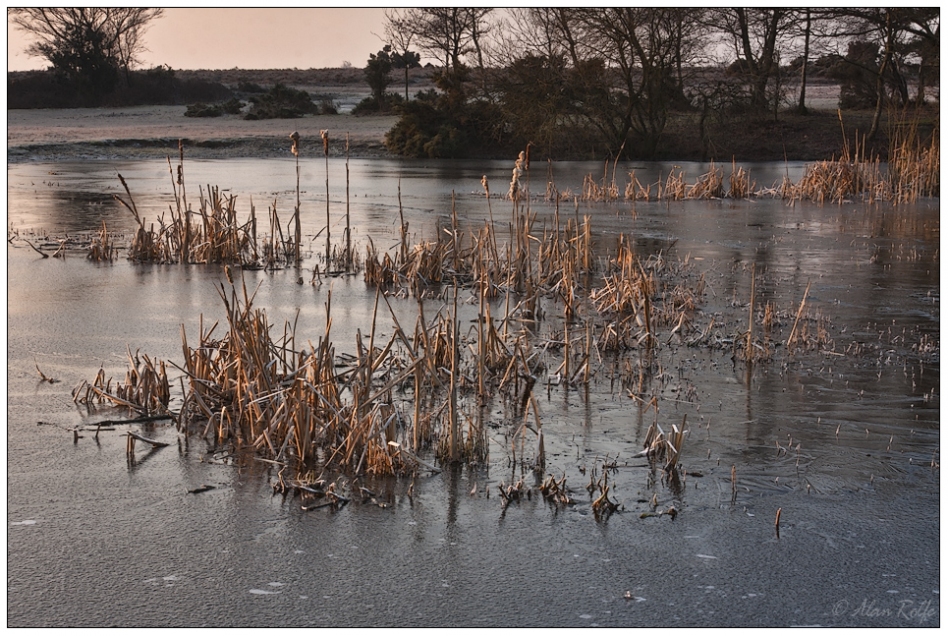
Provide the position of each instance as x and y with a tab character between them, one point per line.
200	109
281	102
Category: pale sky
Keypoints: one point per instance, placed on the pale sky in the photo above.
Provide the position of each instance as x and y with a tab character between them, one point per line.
217	38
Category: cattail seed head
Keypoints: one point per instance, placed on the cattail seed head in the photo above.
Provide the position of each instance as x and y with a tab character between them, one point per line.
295	137
325	135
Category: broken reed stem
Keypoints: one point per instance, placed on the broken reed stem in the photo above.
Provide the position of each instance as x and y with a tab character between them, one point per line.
777	522
733	484
793	330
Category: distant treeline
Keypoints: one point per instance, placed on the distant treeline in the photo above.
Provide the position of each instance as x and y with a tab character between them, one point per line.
160	85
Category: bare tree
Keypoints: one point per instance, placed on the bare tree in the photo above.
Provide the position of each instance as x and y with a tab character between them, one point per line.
121	29
756	37
624	65
895	33
400	37
450	35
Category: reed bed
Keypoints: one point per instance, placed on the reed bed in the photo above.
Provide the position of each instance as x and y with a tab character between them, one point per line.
914	169
309	407
912	172
378	411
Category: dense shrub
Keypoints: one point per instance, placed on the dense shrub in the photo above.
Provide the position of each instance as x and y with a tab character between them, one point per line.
370	105
433	126
281	102
325	105
250	87
200	109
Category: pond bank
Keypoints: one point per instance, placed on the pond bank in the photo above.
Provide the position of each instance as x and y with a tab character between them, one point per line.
152	132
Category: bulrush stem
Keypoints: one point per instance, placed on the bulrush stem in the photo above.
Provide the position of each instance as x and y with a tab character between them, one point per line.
348	229
749	350
325	135
298	233
453	407
402	228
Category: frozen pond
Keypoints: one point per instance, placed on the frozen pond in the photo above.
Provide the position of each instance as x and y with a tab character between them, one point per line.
844	439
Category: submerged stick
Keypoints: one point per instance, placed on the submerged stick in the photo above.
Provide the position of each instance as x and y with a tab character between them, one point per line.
38	250
147	440
401	449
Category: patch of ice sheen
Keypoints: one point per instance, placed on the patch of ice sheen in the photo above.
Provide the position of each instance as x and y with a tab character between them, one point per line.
297	552
276	584
585	616
25	522
173	577
262	592
705	556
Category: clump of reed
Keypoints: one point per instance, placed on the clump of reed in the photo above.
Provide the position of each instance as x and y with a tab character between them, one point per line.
635	191
102	247
379	272
664	450
555	491
295	406
145	389
739	183
210	234
602	506
310	407
837	181
626	292
913	171
914	168
710	185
